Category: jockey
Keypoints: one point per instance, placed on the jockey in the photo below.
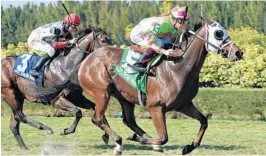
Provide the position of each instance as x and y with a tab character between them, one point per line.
154	32
52	37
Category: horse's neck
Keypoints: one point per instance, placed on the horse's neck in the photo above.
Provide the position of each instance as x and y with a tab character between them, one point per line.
63	66
188	69
194	59
73	58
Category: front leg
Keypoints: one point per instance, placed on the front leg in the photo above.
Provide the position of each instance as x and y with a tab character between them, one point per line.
78	99
64	104
191	111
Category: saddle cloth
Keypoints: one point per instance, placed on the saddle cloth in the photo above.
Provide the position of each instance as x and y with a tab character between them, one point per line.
126	72
24	63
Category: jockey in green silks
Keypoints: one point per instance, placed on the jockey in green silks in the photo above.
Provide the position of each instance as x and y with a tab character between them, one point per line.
154	32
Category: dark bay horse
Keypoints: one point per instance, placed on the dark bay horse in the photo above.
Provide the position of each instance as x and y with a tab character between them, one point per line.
15	88
172	89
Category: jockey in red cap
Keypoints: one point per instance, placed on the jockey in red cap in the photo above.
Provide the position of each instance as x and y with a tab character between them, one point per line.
48	38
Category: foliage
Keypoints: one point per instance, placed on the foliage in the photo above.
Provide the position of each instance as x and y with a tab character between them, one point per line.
115	16
16	50
249	72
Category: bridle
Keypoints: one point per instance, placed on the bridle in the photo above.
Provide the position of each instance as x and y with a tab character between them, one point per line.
86	37
219	48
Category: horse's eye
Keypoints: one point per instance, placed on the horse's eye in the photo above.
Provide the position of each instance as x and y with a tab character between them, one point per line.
219	34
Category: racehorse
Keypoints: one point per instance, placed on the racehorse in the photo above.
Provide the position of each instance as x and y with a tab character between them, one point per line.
66	97
172	89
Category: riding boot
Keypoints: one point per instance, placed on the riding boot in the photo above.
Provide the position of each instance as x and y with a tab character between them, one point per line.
35	70
144	59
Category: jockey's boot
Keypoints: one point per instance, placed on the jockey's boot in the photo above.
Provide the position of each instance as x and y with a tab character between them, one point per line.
35	70
144	59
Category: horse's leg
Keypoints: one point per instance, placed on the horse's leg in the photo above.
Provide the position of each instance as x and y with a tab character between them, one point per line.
105	137
15	100
129	118
102	98
21	117
81	101
129	121
64	104
191	111
14	127
159	121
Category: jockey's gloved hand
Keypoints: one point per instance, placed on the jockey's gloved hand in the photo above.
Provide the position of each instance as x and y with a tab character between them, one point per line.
166	52
72	41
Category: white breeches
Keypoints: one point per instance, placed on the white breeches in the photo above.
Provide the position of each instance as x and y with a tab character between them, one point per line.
35	41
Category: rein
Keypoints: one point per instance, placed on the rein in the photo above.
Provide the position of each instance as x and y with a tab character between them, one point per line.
195	35
93	42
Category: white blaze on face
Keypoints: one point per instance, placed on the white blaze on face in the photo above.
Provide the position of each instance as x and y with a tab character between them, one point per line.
216	35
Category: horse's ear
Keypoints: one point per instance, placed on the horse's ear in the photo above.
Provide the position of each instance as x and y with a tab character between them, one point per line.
198	25
87	31
84	32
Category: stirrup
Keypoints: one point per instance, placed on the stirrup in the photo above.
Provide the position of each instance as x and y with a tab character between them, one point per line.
138	68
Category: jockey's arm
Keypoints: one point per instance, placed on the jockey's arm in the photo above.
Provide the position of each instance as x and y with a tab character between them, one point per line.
58	43
152	43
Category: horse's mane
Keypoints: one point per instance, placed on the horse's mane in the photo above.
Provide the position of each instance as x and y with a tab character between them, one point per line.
88	30
198	25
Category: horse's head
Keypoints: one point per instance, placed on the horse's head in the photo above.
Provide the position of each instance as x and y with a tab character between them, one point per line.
219	41
93	38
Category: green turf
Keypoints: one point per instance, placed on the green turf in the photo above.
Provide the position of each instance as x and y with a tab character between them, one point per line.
223	137
217	103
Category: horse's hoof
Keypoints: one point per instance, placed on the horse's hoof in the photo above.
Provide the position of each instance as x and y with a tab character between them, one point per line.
44	152
187	149
25	148
132	137
116	152
143	141
48	131
105	139
157	148
65	132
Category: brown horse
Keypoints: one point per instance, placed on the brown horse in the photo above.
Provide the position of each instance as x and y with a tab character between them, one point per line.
173	88
66	97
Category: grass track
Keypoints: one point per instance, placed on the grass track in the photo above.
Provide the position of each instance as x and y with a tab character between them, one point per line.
223	137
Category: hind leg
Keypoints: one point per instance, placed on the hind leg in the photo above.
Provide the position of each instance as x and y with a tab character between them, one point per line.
15	104
79	100
15	100
14	127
